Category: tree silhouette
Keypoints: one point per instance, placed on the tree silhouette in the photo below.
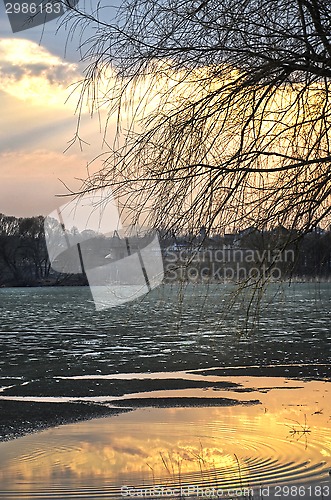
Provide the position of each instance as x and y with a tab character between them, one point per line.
230	110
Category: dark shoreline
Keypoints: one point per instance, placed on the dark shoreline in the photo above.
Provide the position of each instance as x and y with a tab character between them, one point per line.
19	418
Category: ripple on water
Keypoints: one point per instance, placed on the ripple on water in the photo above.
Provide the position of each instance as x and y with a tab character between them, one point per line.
192	447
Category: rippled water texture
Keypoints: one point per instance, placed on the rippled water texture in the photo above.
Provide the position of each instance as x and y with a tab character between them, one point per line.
56	331
275	433
286	440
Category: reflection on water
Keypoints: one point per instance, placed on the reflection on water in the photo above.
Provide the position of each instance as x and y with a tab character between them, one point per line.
284	440
61	348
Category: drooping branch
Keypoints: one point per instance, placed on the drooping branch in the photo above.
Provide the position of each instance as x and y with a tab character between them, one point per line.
229	105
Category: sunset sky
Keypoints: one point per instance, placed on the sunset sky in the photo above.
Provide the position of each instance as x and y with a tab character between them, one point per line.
36	123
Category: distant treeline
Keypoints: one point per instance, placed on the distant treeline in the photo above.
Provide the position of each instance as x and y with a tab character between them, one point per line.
251	253
24	259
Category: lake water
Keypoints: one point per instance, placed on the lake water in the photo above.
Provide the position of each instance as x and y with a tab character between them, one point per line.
275	434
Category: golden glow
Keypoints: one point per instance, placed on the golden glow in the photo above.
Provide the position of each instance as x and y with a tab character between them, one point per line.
188	445
32	74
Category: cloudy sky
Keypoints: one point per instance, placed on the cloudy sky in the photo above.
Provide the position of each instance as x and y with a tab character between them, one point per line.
38	70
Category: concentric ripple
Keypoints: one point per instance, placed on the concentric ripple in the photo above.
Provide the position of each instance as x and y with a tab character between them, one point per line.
153	452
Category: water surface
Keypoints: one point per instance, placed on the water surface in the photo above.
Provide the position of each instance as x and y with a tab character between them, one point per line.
48	332
272	430
285	440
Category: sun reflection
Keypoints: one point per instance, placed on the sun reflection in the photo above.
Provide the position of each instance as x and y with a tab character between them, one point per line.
227	445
